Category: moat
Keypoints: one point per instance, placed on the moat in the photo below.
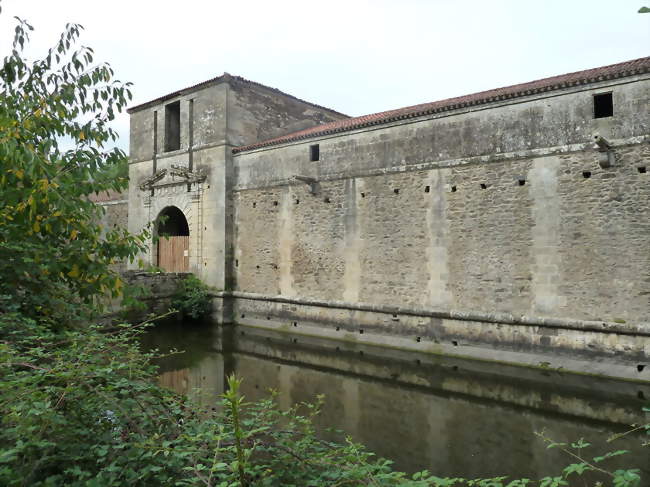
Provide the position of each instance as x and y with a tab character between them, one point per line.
451	416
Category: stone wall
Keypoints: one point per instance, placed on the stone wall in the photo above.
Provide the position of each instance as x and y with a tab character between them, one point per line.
558	245
116	215
496	209
490	226
214	117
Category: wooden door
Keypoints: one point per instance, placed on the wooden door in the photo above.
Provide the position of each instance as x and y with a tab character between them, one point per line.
174	253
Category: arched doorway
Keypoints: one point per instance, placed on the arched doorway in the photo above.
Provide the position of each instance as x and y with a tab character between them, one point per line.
173	252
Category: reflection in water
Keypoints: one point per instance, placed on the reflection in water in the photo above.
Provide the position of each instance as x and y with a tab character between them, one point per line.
450	416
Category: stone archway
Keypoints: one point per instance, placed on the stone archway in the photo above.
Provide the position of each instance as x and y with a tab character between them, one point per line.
173	249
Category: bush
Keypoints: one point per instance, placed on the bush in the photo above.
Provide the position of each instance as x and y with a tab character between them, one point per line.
193	298
82	409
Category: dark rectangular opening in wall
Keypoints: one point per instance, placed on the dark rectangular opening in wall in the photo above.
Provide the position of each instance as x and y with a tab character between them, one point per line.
173	126
586	174
603	105
641	169
427	189
314	152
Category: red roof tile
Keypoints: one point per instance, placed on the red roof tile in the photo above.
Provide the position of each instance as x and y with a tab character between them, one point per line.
627	68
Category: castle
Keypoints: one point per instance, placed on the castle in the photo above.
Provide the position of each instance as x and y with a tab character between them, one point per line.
511	224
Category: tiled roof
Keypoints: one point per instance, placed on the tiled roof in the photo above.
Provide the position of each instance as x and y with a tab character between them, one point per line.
627	68
225	77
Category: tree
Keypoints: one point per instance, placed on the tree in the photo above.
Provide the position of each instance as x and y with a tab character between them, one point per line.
55	151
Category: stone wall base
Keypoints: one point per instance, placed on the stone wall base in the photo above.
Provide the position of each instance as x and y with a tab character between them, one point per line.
618	350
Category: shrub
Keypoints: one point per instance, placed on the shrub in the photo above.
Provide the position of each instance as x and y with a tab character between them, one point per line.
193	298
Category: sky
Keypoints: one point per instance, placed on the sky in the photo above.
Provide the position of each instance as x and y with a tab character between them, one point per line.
354	56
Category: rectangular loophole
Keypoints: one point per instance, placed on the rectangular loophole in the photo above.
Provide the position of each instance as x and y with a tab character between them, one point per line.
427	189
396	191
483	186
314	152
586	174
453	189
641	169
603	105
521	182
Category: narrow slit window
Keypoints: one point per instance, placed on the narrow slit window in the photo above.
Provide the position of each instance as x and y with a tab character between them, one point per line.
314	153
603	105
173	126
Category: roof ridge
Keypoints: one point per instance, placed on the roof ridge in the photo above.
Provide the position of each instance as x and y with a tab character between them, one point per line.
225	77
592	75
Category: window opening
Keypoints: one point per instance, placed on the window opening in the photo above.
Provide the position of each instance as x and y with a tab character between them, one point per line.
173	126
314	153
603	105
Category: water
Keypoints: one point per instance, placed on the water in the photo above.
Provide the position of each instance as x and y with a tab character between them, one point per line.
453	417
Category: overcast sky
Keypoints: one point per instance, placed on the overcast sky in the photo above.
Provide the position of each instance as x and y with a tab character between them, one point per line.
354	56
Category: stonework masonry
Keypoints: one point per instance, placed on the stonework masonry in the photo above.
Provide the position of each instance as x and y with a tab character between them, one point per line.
488	226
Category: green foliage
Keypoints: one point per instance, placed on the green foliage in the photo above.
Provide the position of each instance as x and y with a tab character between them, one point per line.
193	298
82	408
52	249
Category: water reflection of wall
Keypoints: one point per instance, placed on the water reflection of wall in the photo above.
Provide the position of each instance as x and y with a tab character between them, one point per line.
419	429
448	415
204	381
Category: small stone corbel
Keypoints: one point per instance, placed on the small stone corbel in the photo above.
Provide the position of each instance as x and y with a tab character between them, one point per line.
607	157
314	186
